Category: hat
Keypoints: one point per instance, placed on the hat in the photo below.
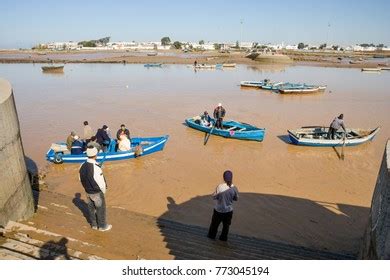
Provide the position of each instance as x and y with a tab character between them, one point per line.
228	176
73	133
76	137
105	126
219	104
91	151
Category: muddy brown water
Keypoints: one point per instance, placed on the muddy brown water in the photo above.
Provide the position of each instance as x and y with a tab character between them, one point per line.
156	101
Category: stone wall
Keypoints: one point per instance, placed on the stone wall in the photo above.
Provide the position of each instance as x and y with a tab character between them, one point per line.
16	200
376	242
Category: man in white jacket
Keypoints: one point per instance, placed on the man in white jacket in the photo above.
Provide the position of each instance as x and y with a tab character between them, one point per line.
94	183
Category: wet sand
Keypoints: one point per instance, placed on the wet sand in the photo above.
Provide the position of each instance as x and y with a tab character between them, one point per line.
296	195
307	58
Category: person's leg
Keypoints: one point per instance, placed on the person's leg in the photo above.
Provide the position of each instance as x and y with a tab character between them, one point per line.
333	133
215	221
226	221
92	212
100	206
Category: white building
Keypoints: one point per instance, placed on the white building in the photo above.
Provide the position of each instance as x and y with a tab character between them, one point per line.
61	45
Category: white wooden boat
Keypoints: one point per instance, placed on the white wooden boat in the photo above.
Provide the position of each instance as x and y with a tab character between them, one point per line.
371	69
302	90
317	136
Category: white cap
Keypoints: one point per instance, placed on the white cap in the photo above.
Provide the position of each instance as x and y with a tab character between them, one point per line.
219	104
76	137
91	151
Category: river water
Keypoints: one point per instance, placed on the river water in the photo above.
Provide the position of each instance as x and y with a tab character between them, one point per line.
155	101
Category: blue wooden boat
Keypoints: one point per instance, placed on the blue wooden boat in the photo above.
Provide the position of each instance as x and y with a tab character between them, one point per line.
232	129
153	65
140	147
317	137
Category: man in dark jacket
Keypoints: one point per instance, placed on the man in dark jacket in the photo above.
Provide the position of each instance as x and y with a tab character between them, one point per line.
123	130
219	114
94	183
102	137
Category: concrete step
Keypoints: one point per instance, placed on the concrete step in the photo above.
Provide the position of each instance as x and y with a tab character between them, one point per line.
133	236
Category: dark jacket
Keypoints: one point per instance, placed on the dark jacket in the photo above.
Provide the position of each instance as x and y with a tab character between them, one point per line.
77	147
219	113
91	177
102	136
120	131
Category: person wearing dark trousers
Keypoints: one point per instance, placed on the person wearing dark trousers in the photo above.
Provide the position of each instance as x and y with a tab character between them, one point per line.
219	114
336	124
94	183
224	196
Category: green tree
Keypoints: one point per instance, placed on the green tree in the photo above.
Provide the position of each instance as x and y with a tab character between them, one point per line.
165	41
201	42
301	46
335	48
177	45
237	45
322	46
217	46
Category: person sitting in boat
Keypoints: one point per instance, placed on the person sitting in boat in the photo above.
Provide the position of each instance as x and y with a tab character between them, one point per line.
77	146
123	130
336	124
219	114
70	140
124	143
205	119
93	143
103	138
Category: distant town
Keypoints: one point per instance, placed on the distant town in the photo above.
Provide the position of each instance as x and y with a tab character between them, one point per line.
166	44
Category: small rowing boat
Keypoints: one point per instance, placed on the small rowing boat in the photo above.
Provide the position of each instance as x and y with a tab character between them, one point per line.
153	65
303	89
205	66
231	129
58	153
53	69
152	54
317	136
252	84
371	69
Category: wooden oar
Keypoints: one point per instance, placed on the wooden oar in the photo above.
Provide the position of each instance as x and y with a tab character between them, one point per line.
342	148
208	135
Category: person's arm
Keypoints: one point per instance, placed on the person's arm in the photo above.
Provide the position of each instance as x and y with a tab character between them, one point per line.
235	197
99	178
343	126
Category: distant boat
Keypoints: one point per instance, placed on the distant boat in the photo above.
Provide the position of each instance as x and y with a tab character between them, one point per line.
232	129
371	69
253	84
379	56
41	53
53	69
205	66
307	89
385	68
354	62
153	65
58	153
152	54
226	65
317	136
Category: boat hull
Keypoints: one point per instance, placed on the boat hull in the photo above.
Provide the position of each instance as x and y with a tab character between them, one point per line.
315	142
242	132
155	144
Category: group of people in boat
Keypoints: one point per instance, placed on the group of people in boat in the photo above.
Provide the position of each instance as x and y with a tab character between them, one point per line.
100	140
220	112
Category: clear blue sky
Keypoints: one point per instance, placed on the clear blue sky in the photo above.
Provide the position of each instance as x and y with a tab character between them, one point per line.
26	23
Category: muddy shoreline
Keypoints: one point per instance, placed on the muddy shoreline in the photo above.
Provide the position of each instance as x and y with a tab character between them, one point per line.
175	57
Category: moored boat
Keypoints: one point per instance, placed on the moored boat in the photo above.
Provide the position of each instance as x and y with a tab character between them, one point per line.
153	64
205	66
252	84
229	65
58	152
232	129
302	89
385	68
53	68
152	54
317	136
371	69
